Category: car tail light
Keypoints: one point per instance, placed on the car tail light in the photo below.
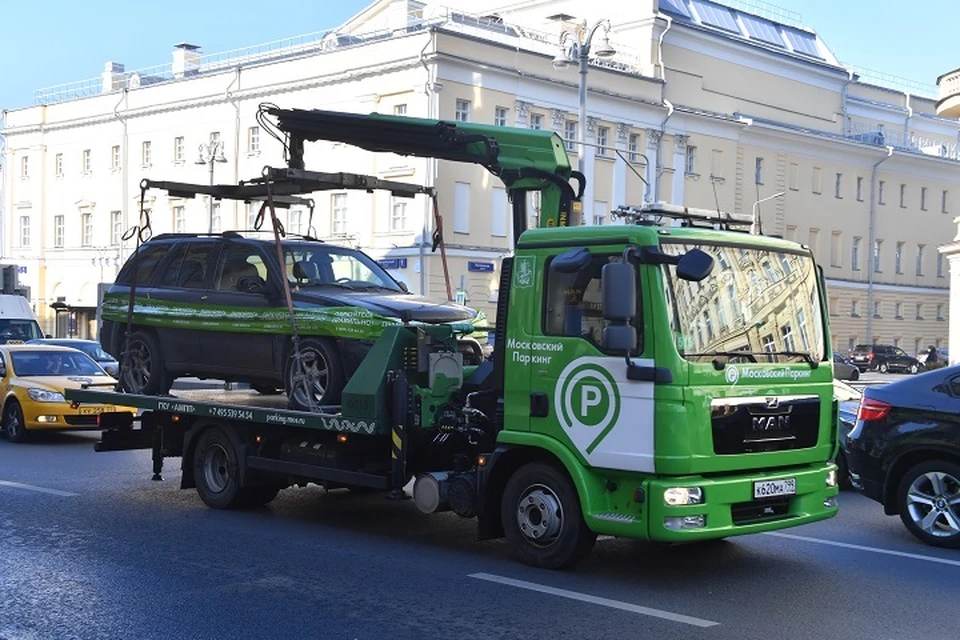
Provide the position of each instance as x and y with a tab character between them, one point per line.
869	357
871	409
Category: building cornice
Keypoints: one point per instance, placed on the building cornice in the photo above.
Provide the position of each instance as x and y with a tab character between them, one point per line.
887	288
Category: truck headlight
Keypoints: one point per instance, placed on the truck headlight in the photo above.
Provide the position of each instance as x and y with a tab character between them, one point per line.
42	395
676	496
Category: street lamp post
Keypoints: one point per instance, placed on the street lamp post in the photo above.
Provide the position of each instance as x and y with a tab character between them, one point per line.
575	47
757	226
209	154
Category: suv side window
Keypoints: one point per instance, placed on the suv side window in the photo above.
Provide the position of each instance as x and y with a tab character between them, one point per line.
574	305
188	266
147	260
239	261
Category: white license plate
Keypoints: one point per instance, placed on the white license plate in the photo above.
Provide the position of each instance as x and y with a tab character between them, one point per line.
770	488
89	411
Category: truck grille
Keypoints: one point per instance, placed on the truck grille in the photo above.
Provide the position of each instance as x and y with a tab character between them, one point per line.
756	511
755	425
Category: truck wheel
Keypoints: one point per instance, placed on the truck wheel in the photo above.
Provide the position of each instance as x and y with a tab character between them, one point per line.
216	471
142	370
542	518
929	503
14	426
321	379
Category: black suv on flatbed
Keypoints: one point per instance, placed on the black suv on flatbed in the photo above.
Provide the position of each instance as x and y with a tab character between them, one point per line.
884	358
214	307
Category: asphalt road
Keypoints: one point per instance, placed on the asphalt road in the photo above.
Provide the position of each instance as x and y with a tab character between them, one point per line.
91	548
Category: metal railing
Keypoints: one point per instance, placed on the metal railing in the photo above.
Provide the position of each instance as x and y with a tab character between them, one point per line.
891	81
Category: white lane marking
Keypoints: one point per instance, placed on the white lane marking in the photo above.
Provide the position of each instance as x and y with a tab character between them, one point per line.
859	547
604	602
30	487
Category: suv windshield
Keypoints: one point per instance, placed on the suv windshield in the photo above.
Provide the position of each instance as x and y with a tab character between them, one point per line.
308	264
756	305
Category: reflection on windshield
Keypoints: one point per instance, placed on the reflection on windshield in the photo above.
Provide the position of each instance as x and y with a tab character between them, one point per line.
19	330
757	302
54	363
309	265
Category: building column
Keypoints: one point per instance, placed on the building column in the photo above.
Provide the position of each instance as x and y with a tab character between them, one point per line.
952	253
679	167
619	192
523	113
653	140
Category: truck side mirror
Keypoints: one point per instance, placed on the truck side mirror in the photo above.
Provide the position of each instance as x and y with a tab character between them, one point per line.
403	286
694	265
618	282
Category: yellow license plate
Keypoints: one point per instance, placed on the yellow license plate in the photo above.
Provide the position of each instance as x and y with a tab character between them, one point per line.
90	411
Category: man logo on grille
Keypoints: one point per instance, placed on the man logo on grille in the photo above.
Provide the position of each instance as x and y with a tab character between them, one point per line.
587	403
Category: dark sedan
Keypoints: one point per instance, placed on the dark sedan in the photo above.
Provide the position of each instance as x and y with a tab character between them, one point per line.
90	347
904	452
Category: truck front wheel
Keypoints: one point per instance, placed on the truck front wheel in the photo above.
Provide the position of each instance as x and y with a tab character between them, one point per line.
216	471
542	519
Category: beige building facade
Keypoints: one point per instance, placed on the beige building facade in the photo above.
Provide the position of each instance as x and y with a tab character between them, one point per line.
702	104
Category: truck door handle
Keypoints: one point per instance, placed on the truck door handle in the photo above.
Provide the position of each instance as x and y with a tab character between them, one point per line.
539	405
638	373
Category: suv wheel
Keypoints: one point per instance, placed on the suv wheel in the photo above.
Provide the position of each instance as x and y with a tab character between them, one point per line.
914	368
883	367
928	500
141	369
319	380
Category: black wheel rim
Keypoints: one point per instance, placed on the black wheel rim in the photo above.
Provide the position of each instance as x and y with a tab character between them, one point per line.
14	423
309	379
136	373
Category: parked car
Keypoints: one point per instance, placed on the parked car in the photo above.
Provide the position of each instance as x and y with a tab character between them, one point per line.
844	369
90	347
214	307
33	378
884	358
904	452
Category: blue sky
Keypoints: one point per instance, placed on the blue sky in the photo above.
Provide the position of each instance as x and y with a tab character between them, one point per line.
57	41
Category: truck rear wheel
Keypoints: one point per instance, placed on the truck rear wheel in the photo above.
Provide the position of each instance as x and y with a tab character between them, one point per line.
542	518
216	471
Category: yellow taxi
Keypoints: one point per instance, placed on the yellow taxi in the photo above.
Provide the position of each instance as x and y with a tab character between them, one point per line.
32	380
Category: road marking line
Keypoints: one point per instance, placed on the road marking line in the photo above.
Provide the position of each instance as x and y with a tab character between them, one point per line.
30	487
605	602
859	547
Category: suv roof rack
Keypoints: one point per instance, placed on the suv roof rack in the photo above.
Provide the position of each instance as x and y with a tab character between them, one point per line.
235	233
654	213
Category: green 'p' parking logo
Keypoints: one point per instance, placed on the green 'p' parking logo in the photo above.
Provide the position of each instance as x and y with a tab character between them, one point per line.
587	403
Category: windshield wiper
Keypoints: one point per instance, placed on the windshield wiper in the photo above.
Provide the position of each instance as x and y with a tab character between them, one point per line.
729	354
800	354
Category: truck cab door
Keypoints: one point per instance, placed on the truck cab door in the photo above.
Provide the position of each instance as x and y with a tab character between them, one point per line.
582	392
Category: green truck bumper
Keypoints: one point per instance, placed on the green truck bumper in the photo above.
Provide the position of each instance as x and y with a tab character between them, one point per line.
727	506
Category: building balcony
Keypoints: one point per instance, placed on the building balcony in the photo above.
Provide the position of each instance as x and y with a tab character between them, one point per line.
948	104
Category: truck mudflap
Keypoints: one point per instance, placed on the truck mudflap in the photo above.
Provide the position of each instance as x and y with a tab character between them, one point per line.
693	508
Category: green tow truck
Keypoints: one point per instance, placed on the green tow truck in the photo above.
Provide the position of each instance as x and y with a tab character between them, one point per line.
668	378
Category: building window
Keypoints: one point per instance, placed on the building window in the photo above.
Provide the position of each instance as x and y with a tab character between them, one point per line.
939	265
400	110
179	219
852	343
338	216
58	231
633	145
58	165
903	196
716	164
215	219
178	149
603	139
898	258
833	306
877	245
398	215
943	202
690	163
85	162
919	311
295	224
116	228
86	229
923	198
25	167
253	140
787	334
920	259
253	210
24	231
939	312
836	257
876	309
898	311
115	157
814	242
463	111
793	176
599	212
758	171
880	192
838	187
817	180
570	133
500	116
536	121
146	154
859	189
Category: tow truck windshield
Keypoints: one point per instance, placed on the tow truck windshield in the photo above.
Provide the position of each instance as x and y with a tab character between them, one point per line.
756	306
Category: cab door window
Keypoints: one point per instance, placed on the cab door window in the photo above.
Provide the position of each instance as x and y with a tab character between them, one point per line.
574	303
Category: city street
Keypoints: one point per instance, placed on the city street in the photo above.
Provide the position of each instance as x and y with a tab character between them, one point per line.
90	547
